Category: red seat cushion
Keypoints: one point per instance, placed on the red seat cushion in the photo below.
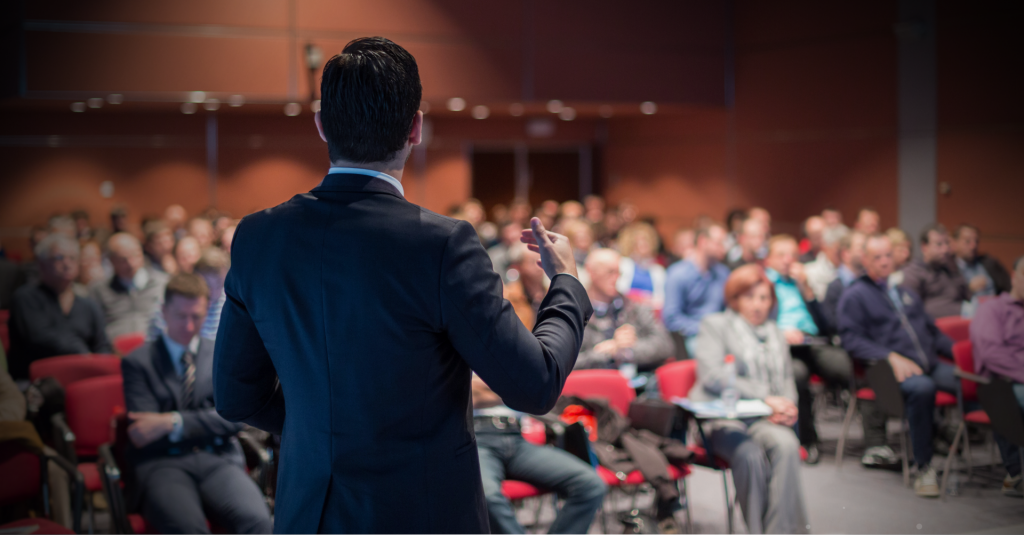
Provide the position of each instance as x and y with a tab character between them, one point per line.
21	474
42	526
139	525
944	399
91	473
518	490
636	478
866	394
977	417
700	457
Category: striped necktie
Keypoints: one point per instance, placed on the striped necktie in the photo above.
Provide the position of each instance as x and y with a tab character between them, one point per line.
188	380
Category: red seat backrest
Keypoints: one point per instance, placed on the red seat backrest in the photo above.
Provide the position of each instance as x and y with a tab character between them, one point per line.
963	355
69	369
607	384
956	328
89	405
676	379
21	473
5	336
126	343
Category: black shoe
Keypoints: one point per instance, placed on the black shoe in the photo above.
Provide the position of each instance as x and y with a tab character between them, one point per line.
813	455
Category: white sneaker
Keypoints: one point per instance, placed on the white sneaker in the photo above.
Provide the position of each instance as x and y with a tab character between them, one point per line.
927	483
879	457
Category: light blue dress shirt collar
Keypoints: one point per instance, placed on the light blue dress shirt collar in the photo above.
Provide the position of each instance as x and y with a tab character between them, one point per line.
376	174
176	351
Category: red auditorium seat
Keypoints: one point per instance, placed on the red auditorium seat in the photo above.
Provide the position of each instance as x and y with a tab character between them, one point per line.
69	369
5	335
967	392
956	328
126	343
21	467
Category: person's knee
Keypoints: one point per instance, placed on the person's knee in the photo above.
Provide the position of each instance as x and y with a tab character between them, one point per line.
919	387
591	488
800	372
747	455
785	443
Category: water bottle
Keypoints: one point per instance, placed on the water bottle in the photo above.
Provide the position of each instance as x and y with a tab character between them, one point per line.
729	394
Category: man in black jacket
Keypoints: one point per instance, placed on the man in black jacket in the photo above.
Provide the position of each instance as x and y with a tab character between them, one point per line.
185	457
984	274
365	316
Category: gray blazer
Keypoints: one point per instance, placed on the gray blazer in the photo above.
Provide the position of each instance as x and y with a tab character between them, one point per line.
717	338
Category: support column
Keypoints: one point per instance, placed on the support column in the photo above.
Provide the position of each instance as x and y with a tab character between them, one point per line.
918	115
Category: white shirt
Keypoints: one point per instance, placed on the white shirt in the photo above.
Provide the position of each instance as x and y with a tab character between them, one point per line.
376	174
139	281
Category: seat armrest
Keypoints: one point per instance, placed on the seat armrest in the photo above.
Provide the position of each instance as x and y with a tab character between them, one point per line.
63	438
77	481
110	477
971	376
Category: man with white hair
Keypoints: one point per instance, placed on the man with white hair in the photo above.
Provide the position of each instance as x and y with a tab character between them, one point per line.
621	332
130	297
47	318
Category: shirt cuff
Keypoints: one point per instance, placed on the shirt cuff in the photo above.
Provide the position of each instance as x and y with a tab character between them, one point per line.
179	428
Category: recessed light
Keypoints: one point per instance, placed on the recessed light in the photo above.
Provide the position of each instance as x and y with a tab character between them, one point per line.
292	109
456	104
481	112
567	114
115	98
555	106
648	108
211	104
314	106
188	108
78	107
95	103
236	100
197	97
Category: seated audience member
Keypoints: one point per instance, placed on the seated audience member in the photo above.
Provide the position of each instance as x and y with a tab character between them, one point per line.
873	320
159	247
868	222
833	223
984	274
814	230
581	238
748	244
803	325
734	224
504	454
765	218
187	460
175	216
695	285
12	277
642	279
997	334
90	266
620	331
935	278
187	253
520	212
570	210
47	317
119	220
131	297
822	271
227	237
201	229
527	281
851	266
682	245
902	253
508	237
594	206
764	453
213	268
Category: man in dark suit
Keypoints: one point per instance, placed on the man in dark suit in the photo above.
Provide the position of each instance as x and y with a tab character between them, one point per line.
365	316
185	457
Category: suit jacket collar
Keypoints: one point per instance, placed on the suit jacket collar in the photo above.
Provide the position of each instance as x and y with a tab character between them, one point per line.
356	183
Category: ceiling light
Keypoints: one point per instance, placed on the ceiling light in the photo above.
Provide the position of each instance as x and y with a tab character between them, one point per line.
554	106
567	114
648	108
95	103
188	108
456	104
292	109
515	110
115	98
314	106
236	101
197	96
605	111
481	112
211	104
78	107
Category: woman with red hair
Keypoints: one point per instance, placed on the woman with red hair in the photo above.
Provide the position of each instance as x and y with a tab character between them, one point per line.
764	453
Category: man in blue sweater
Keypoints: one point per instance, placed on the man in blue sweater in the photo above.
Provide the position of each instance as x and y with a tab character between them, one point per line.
695	286
879	322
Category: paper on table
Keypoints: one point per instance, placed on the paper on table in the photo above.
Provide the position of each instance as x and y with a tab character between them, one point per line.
745	408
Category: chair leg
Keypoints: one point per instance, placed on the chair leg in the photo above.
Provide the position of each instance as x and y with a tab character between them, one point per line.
967	454
92	512
1020	452
949	459
904	453
840	449
728	501
686	496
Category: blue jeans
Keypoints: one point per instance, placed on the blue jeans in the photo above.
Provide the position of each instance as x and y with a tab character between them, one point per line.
919	402
509	456
1009	452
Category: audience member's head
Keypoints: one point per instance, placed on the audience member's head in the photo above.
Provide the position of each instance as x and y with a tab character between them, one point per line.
934	244
549	208
1017	290
749	292
709	242
369	103
851	251
527	269
159	240
520	211
603	268
186	298
125	255
82	225
627	212
90	263
213	267
499	213
901	247
187	253
221	223
57	255
782	254
639	241
965	242
202	230
228	237
878	264
62	224
832	217
571	210
764	217
814	229
580	234
594	205
868	221
175	217
119	219
752	238
683	242
473	212
734	221
830	244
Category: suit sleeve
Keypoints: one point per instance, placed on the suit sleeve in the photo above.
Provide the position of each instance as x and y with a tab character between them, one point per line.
852	329
206	423
528	370
138	393
245	385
